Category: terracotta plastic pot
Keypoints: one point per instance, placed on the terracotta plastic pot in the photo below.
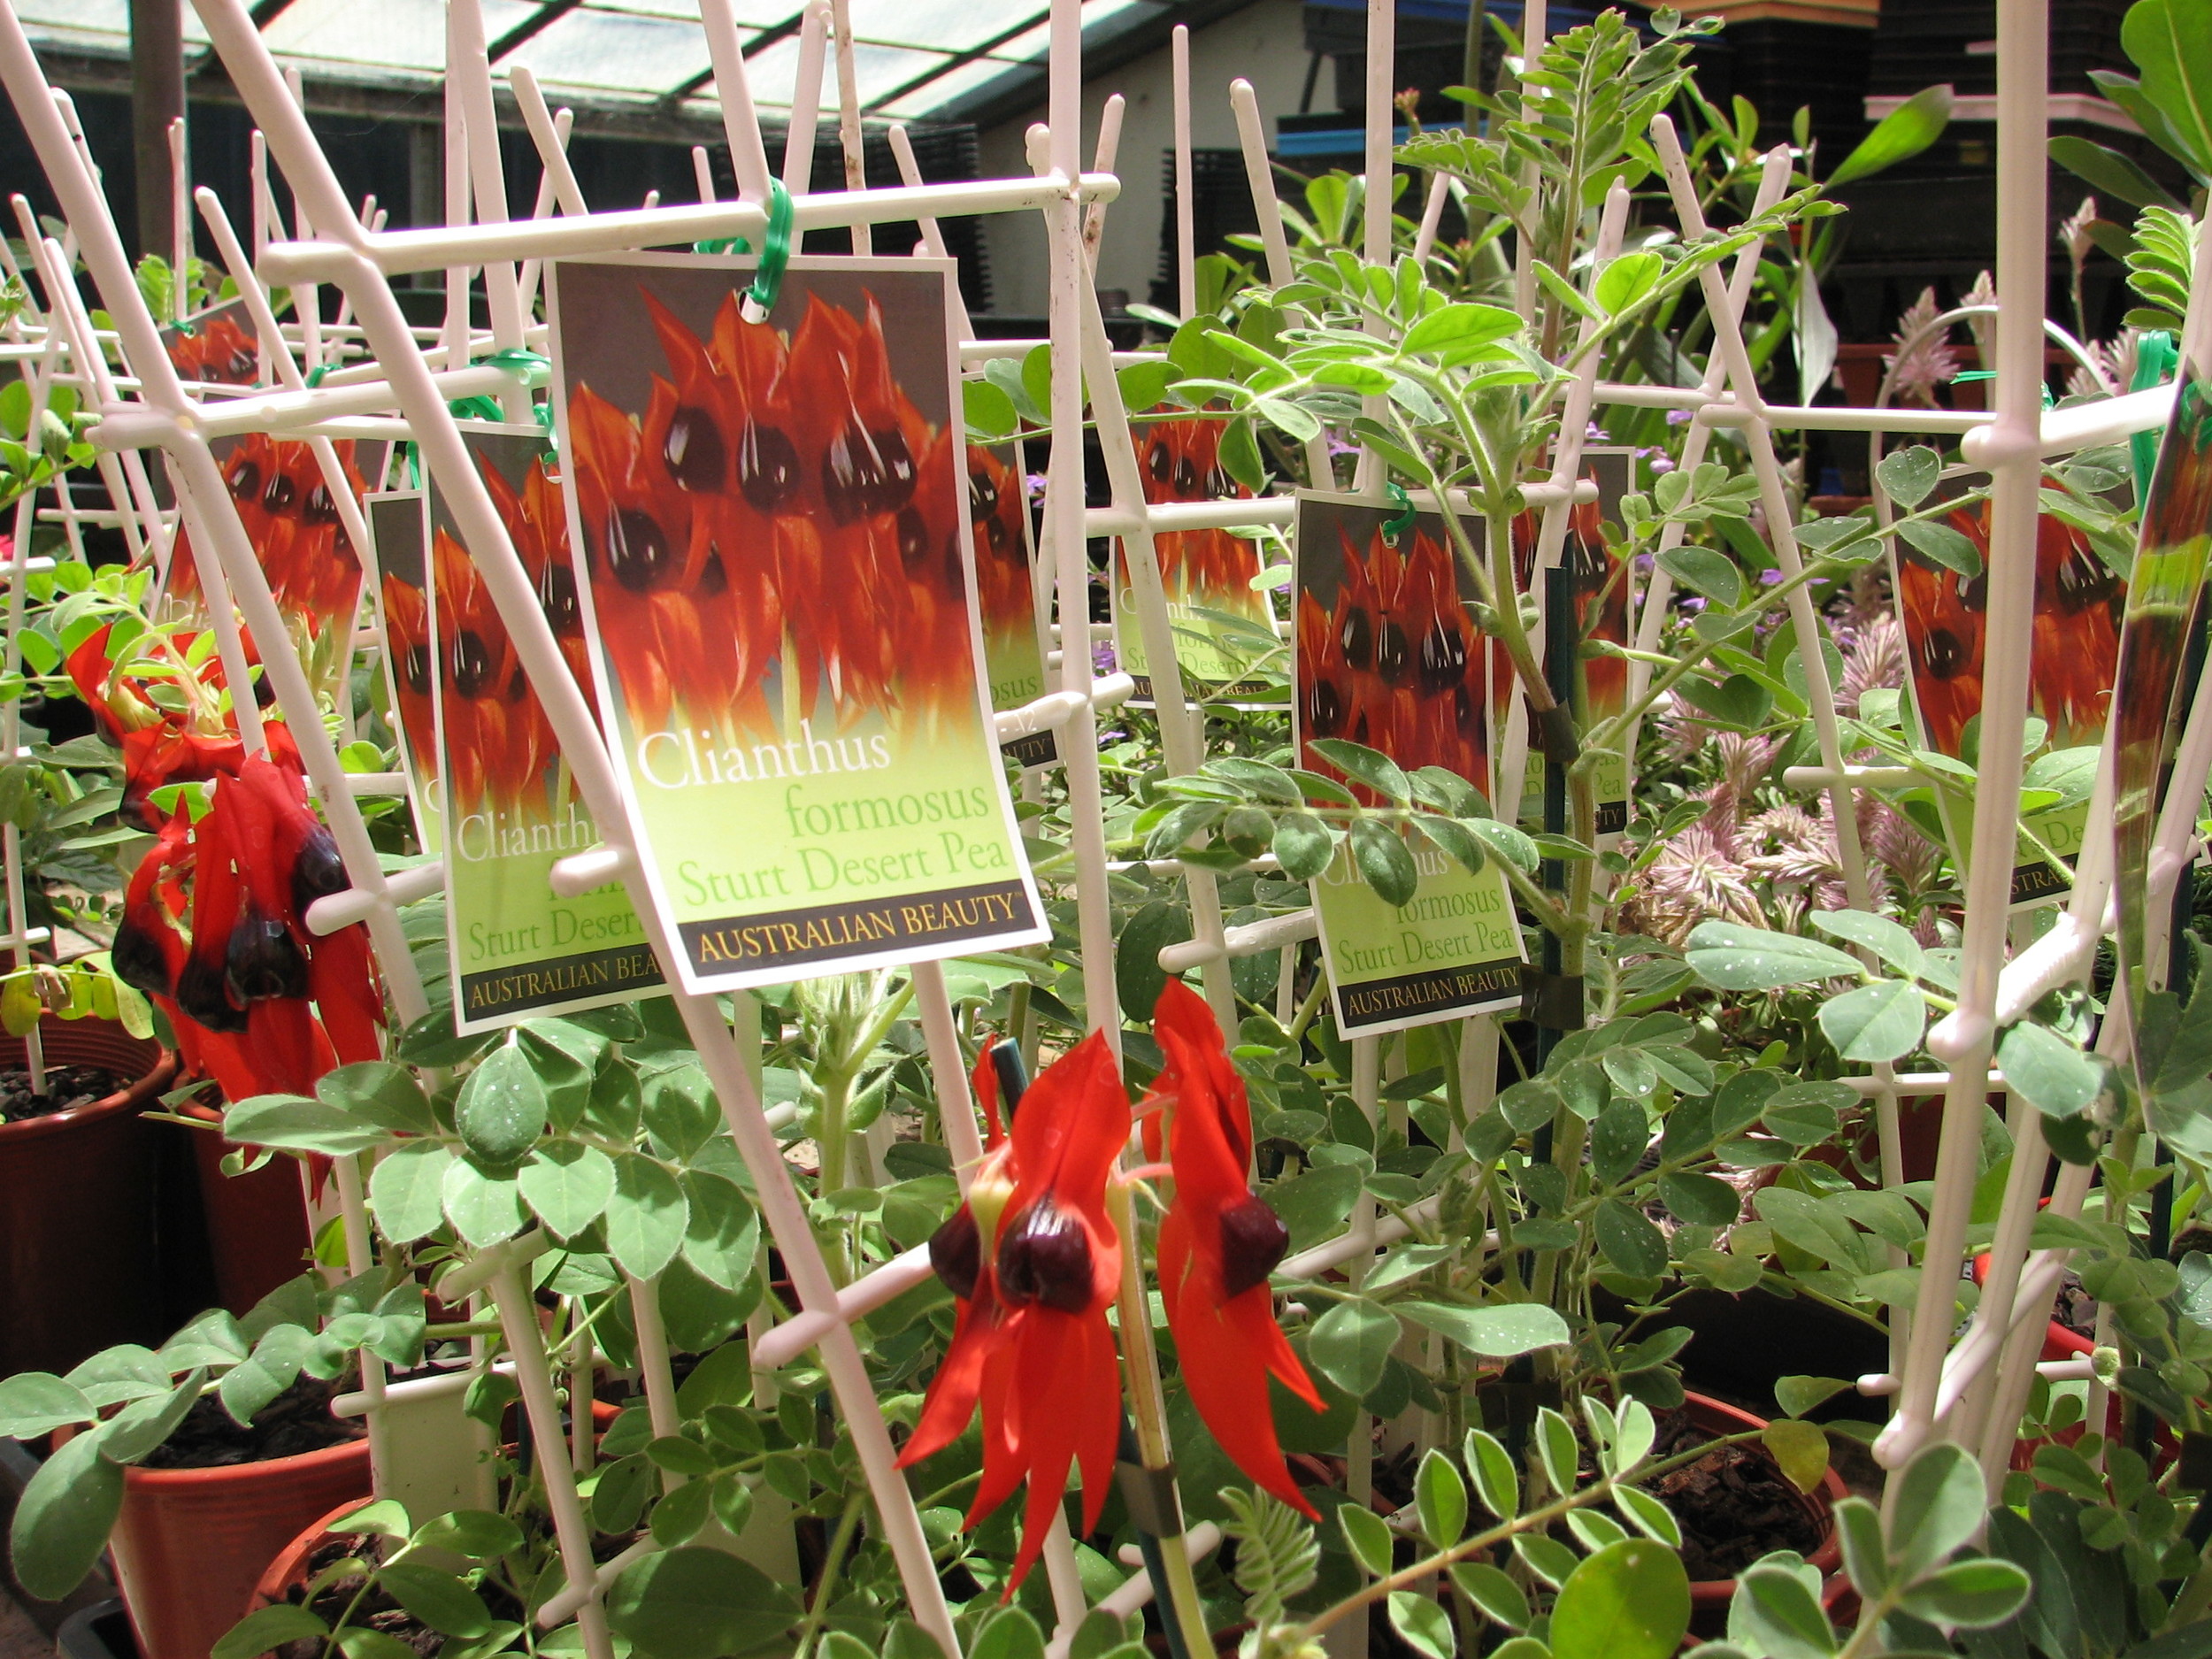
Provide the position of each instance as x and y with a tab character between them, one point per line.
1710	1597
191	1543
78	1248
256	1223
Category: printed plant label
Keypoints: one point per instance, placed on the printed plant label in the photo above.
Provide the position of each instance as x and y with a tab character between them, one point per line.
781	598
1006	591
2072	662
1223	626
1388	655
512	807
399	527
215	347
1602	596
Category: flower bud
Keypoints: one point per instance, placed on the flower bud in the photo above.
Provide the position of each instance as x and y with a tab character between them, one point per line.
1045	1257
955	1251
1253	1240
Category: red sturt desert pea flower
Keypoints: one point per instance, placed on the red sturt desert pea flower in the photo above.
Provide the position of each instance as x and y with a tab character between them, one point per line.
1218	1243
1032	1260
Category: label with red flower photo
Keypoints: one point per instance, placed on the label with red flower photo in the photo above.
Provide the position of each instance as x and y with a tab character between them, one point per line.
399	527
1224	627
215	347
1601	582
780	589
2079	601
510	806
1387	655
1007	589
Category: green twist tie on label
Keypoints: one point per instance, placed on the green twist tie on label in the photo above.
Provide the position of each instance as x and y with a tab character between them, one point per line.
2156	357
476	409
760	299
314	375
727	244
1400	522
530	368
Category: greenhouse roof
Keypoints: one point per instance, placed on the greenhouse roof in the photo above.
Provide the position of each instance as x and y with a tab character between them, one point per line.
640	65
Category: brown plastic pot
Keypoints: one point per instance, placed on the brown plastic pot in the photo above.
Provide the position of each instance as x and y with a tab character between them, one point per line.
256	1223
1710	1597
190	1543
78	1263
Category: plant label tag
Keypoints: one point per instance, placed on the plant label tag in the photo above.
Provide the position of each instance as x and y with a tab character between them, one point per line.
512	807
399	537
1603	603
1221	625
780	594
1007	591
1387	655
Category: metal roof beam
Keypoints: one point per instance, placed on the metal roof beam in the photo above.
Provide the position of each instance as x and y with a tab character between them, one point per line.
545	15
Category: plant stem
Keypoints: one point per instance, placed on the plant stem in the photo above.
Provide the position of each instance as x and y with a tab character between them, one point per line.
1147	1410
817	1611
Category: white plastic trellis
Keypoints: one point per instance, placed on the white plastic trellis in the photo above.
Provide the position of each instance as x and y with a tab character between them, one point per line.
1968	1389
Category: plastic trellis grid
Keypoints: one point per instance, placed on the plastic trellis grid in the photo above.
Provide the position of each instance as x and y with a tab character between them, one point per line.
1969	1389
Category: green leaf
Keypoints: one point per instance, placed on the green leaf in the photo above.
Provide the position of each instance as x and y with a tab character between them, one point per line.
1938	1505
1890	943
1365	766
698	1603
1489	1589
1781	1612
1704	571
1350	1344
1505	841
293	1123
34	1403
1899	135
1303	845
1865	1557
1497	1483
1627	279
677	1517
1739	700
63	1519
1732	957
1499	1332
2167	44
1650	1517
141	1425
1971	1593
502	1109
1797	1396
438	1599
988	410
267	1628
1458	327
1557	1448
479	1534
1009	1634
2051	1074
567	1184
1384	863
1630	1600
380	1093
1877	1022
1426	1627
407	1190
2111	172
646	1217
484	1205
1439	1497
1941	542
1800	1448
1704	1201
1910	475
721	1231
1369	1537
1629	1239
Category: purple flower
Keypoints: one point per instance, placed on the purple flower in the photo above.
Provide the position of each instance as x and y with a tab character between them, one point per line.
1771	578
1662	464
1102	658
1037	482
1643	564
1678	416
1596	434
1340	445
1692	605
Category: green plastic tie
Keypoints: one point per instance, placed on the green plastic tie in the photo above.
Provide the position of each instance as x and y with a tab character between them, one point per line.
530	368
476	409
2156	357
314	375
760	299
727	245
1398	524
